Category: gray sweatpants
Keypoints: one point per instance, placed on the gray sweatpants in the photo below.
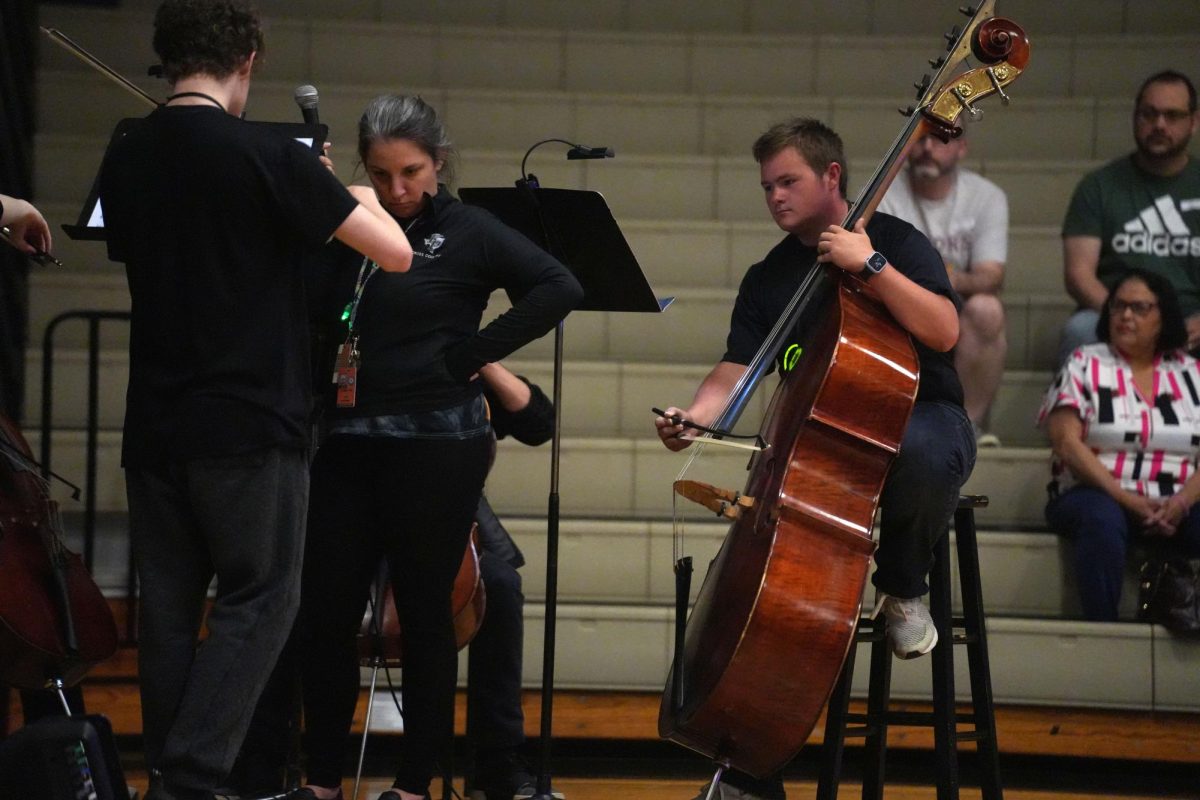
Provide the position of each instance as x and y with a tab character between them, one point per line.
241	519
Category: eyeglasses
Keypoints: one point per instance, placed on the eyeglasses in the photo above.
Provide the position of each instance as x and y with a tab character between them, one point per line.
1140	308
1150	114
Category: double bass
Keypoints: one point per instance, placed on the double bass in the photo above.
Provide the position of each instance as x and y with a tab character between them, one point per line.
775	617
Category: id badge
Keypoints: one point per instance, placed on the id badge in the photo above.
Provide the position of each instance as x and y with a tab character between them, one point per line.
345	373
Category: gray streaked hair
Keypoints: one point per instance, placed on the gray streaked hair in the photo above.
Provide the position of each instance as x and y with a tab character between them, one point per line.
404	116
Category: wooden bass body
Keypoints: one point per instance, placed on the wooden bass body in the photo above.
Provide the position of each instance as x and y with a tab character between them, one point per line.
776	614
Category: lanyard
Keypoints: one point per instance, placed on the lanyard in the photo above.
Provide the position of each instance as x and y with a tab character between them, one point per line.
350	312
365	271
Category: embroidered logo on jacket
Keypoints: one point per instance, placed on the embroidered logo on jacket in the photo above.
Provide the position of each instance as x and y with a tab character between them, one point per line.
433	242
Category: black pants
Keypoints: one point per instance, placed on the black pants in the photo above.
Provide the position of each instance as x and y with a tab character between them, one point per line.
495	720
411	501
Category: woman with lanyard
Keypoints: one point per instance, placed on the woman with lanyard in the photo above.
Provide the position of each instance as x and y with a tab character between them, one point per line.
401	470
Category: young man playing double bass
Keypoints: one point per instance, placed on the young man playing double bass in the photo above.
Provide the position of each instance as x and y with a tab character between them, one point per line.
803	172
212	217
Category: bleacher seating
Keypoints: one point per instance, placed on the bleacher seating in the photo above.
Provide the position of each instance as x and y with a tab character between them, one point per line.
679	90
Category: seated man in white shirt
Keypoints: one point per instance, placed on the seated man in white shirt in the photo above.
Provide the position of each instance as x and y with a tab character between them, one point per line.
966	217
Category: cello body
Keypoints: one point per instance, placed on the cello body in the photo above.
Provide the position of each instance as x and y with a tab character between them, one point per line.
468	602
54	622
780	602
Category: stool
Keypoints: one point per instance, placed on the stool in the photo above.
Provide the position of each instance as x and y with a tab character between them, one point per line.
944	719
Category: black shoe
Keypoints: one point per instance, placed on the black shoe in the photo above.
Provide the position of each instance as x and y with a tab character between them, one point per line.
503	775
391	794
300	793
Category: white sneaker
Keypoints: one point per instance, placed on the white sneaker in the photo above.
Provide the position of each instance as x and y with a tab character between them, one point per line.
910	629
983	438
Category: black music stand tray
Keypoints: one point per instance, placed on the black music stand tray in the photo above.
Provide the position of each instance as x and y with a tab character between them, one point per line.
577	228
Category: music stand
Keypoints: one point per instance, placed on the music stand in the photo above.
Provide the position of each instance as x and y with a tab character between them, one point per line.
577	228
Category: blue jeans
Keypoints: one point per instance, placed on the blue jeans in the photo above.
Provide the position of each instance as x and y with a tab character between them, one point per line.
920	494
1102	532
241	519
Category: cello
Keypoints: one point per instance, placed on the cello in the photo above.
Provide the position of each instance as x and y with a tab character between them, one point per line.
381	634
55	624
759	654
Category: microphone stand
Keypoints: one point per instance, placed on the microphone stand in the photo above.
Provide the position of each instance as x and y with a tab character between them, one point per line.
527	184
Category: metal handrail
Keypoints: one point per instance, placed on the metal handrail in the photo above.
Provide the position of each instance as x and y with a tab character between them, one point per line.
93	319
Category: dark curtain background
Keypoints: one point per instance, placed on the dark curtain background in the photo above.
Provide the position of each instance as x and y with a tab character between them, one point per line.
18	48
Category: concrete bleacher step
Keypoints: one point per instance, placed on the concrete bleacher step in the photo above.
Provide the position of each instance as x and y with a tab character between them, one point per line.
475	53
1130	665
621	477
694	253
691	331
742	16
629	563
600	398
615	621
1033	661
708	124
637	187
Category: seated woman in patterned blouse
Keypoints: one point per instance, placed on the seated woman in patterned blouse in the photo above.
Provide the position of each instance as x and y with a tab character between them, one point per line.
1123	419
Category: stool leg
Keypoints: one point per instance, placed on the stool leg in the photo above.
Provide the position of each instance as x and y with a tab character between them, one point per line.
834	745
983	709
879	695
945	727
362	751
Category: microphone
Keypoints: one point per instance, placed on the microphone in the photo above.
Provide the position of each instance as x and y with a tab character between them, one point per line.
306	98
580	151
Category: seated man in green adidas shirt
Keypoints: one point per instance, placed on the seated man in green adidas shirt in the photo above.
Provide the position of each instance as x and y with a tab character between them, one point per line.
1141	210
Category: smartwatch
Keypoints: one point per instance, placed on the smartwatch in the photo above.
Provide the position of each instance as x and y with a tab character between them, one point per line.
874	265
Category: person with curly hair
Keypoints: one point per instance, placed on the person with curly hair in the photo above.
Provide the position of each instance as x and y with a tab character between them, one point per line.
213	218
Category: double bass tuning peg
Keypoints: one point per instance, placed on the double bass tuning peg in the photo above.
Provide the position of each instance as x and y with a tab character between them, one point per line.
951	36
967	11
937	62
923	86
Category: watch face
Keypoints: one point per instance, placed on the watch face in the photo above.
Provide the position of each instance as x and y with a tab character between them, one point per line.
876	262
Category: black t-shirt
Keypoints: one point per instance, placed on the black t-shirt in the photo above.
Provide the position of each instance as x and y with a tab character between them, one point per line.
419	334
769	285
212	217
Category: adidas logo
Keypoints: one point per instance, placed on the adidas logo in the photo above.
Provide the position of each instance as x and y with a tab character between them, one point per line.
1159	230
